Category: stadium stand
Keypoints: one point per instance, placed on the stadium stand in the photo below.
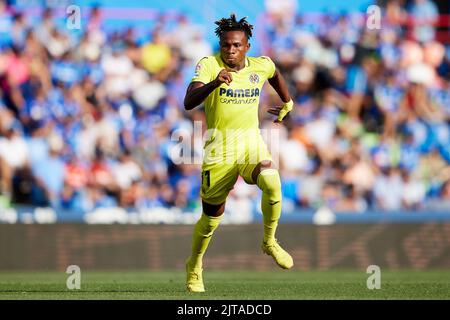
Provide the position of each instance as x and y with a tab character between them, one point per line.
88	117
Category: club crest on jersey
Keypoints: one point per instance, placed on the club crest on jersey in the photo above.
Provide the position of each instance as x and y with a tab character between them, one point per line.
254	78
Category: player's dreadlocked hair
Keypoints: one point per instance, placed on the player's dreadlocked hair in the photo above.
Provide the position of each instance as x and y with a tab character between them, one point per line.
231	24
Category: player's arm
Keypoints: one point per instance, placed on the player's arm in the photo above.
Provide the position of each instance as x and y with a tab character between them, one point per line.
279	84
197	91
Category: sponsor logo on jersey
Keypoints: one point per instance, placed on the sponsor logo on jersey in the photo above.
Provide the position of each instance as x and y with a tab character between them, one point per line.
239	93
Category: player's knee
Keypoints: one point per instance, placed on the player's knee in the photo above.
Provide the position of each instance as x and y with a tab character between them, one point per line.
270	183
213	210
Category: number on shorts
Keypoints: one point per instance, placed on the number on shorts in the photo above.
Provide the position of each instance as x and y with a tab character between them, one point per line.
207	178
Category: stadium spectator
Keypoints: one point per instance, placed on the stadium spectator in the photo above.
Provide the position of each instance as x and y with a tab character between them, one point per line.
6	20
424	14
442	201
49	172
413	192
351	201
157	55
388	190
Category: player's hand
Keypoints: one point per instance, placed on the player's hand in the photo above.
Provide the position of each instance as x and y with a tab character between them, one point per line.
224	76
281	111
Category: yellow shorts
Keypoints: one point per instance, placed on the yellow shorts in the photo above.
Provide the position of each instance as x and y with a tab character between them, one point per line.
219	177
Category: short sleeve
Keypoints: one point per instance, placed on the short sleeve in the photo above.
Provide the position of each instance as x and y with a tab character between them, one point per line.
202	71
269	66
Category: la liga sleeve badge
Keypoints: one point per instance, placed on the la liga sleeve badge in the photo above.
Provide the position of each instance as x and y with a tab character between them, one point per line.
198	68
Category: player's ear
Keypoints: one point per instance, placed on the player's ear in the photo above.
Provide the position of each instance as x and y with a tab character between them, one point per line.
248	46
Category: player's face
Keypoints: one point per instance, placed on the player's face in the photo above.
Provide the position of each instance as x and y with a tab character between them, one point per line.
233	47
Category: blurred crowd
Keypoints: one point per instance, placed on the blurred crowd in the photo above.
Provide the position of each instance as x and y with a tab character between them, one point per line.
87	116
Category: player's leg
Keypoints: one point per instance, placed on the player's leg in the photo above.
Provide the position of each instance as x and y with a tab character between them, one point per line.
203	231
216	184
267	179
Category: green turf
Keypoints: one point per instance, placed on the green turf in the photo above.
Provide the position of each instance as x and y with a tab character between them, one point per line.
278	284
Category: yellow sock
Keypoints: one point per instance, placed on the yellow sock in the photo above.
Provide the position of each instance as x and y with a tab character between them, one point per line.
203	232
269	182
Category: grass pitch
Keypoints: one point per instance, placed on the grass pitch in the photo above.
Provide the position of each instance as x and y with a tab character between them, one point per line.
228	285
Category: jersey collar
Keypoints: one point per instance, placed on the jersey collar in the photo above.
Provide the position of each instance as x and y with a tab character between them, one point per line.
222	63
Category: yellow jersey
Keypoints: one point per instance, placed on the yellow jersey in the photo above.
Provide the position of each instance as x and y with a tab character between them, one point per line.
234	107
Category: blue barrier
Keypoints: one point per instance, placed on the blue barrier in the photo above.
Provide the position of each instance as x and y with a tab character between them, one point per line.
29	214
372	216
